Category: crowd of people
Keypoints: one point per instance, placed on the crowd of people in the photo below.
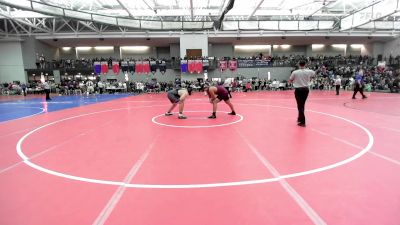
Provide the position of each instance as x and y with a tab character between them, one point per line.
328	68
290	60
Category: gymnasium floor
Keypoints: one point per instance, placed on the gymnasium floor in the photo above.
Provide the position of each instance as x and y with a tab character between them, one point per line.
118	160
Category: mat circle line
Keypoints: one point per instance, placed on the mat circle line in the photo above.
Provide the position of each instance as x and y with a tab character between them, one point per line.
191	186
154	120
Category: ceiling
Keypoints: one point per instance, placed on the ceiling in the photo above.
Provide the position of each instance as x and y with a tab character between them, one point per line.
165	42
102	17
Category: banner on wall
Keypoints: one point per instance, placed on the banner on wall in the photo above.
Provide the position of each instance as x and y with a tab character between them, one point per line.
206	65
146	67
223	65
97	68
191	66
104	67
162	66
131	67
184	66
253	63
199	66
262	63
124	66
139	67
232	65
153	66
115	67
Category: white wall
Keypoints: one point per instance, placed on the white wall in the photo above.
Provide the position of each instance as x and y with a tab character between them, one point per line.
353	51
163	52
221	50
67	54
392	48
367	50
174	50
240	52
151	52
291	50
328	50
96	53
31	47
29	53
189	41
377	49
11	62
279	73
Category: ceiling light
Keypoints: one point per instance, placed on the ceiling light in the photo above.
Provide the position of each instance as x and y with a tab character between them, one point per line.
135	48
357	45
104	48
317	46
252	47
339	45
83	48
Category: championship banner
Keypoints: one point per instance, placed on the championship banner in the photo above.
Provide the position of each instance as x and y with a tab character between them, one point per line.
184	66
146	67
162	66
104	67
131	67
199	66
115	67
153	67
191	66
206	64
97	68
232	65
223	65
139	67
124	66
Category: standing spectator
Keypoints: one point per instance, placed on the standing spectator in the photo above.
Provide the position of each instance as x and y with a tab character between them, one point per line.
37	62
23	87
300	79
89	87
42	62
100	85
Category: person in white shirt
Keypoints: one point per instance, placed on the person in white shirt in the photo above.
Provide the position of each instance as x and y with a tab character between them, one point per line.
46	87
100	85
228	85
301	79
89	87
338	82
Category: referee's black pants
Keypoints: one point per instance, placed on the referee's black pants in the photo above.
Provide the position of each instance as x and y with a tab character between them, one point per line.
337	89
358	88
47	91
301	95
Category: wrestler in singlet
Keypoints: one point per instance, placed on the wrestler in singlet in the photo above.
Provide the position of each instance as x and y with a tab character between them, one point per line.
173	96
222	93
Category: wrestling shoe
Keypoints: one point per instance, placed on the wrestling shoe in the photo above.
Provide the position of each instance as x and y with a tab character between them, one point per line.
232	113
182	117
212	117
168	114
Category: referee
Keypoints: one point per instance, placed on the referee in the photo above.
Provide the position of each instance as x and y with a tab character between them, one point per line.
300	79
